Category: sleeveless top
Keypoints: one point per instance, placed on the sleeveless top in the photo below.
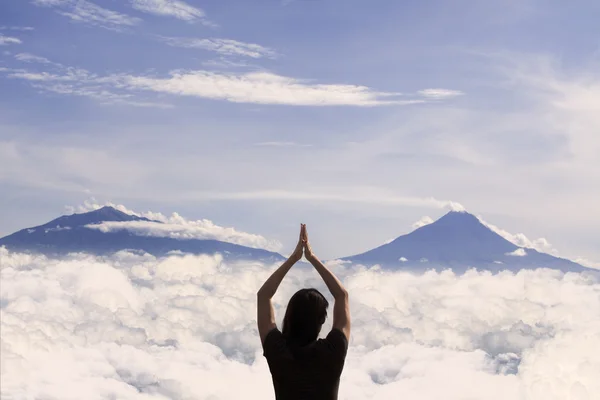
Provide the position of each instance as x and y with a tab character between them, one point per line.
310	372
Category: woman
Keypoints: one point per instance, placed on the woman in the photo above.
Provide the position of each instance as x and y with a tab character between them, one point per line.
303	366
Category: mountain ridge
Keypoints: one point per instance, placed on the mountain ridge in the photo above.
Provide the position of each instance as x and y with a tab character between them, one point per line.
71	234
457	240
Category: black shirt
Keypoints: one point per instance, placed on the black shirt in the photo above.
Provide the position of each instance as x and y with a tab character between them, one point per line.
310	372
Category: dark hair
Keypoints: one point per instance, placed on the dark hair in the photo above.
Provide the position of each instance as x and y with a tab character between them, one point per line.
306	312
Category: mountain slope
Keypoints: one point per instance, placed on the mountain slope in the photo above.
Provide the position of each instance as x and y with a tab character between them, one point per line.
459	241
69	234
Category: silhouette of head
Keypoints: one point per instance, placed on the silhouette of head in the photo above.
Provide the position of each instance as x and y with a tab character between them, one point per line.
306	312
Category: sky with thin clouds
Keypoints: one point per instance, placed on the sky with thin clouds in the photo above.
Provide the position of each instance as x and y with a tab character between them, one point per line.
357	119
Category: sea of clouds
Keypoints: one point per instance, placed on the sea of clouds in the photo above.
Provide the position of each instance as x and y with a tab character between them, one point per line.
184	327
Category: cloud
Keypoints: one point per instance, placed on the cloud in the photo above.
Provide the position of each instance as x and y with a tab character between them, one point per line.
16	28
6	40
76	82
252	87
519	239
175	226
179	228
422	222
567	100
170	8
261	88
342	195
87	12
223	46
520	252
587	263
223	62
282	144
138	327
26	57
439	94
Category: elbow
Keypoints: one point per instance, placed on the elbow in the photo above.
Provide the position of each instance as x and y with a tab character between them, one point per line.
262	295
343	294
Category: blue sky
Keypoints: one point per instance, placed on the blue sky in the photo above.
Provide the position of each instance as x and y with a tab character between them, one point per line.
357	118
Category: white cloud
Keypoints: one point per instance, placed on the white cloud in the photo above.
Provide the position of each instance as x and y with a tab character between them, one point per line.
26	57
261	88
222	46
541	244
252	87
224	62
439	94
6	40
177	227
422	222
520	252
77	82
282	144
169	8
342	195
180	228
137	327
16	28
587	263
87	12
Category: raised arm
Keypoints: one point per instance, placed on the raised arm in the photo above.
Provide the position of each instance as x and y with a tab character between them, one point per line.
265	313
341	307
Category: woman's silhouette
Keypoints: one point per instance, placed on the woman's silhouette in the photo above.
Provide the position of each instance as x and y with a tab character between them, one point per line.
303	366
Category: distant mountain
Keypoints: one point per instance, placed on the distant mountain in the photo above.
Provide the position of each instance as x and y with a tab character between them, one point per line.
69	234
459	240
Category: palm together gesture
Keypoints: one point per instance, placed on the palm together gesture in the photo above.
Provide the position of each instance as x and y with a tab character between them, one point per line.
303	246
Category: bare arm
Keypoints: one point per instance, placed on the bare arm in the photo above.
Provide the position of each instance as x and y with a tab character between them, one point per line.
341	307
265	313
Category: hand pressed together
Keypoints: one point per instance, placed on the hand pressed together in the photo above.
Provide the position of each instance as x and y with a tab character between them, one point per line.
307	249
303	247
297	254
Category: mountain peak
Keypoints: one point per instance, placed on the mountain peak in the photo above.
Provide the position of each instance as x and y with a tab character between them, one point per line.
458	217
103	214
458	240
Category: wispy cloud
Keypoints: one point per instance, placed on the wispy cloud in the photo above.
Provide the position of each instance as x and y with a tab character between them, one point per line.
262	88
6	40
437	94
365	195
282	144
222	46
16	28
76	82
224	62
30	58
422	222
254	87
87	12
171	8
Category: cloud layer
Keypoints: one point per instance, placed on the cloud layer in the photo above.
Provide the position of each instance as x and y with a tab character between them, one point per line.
136	327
